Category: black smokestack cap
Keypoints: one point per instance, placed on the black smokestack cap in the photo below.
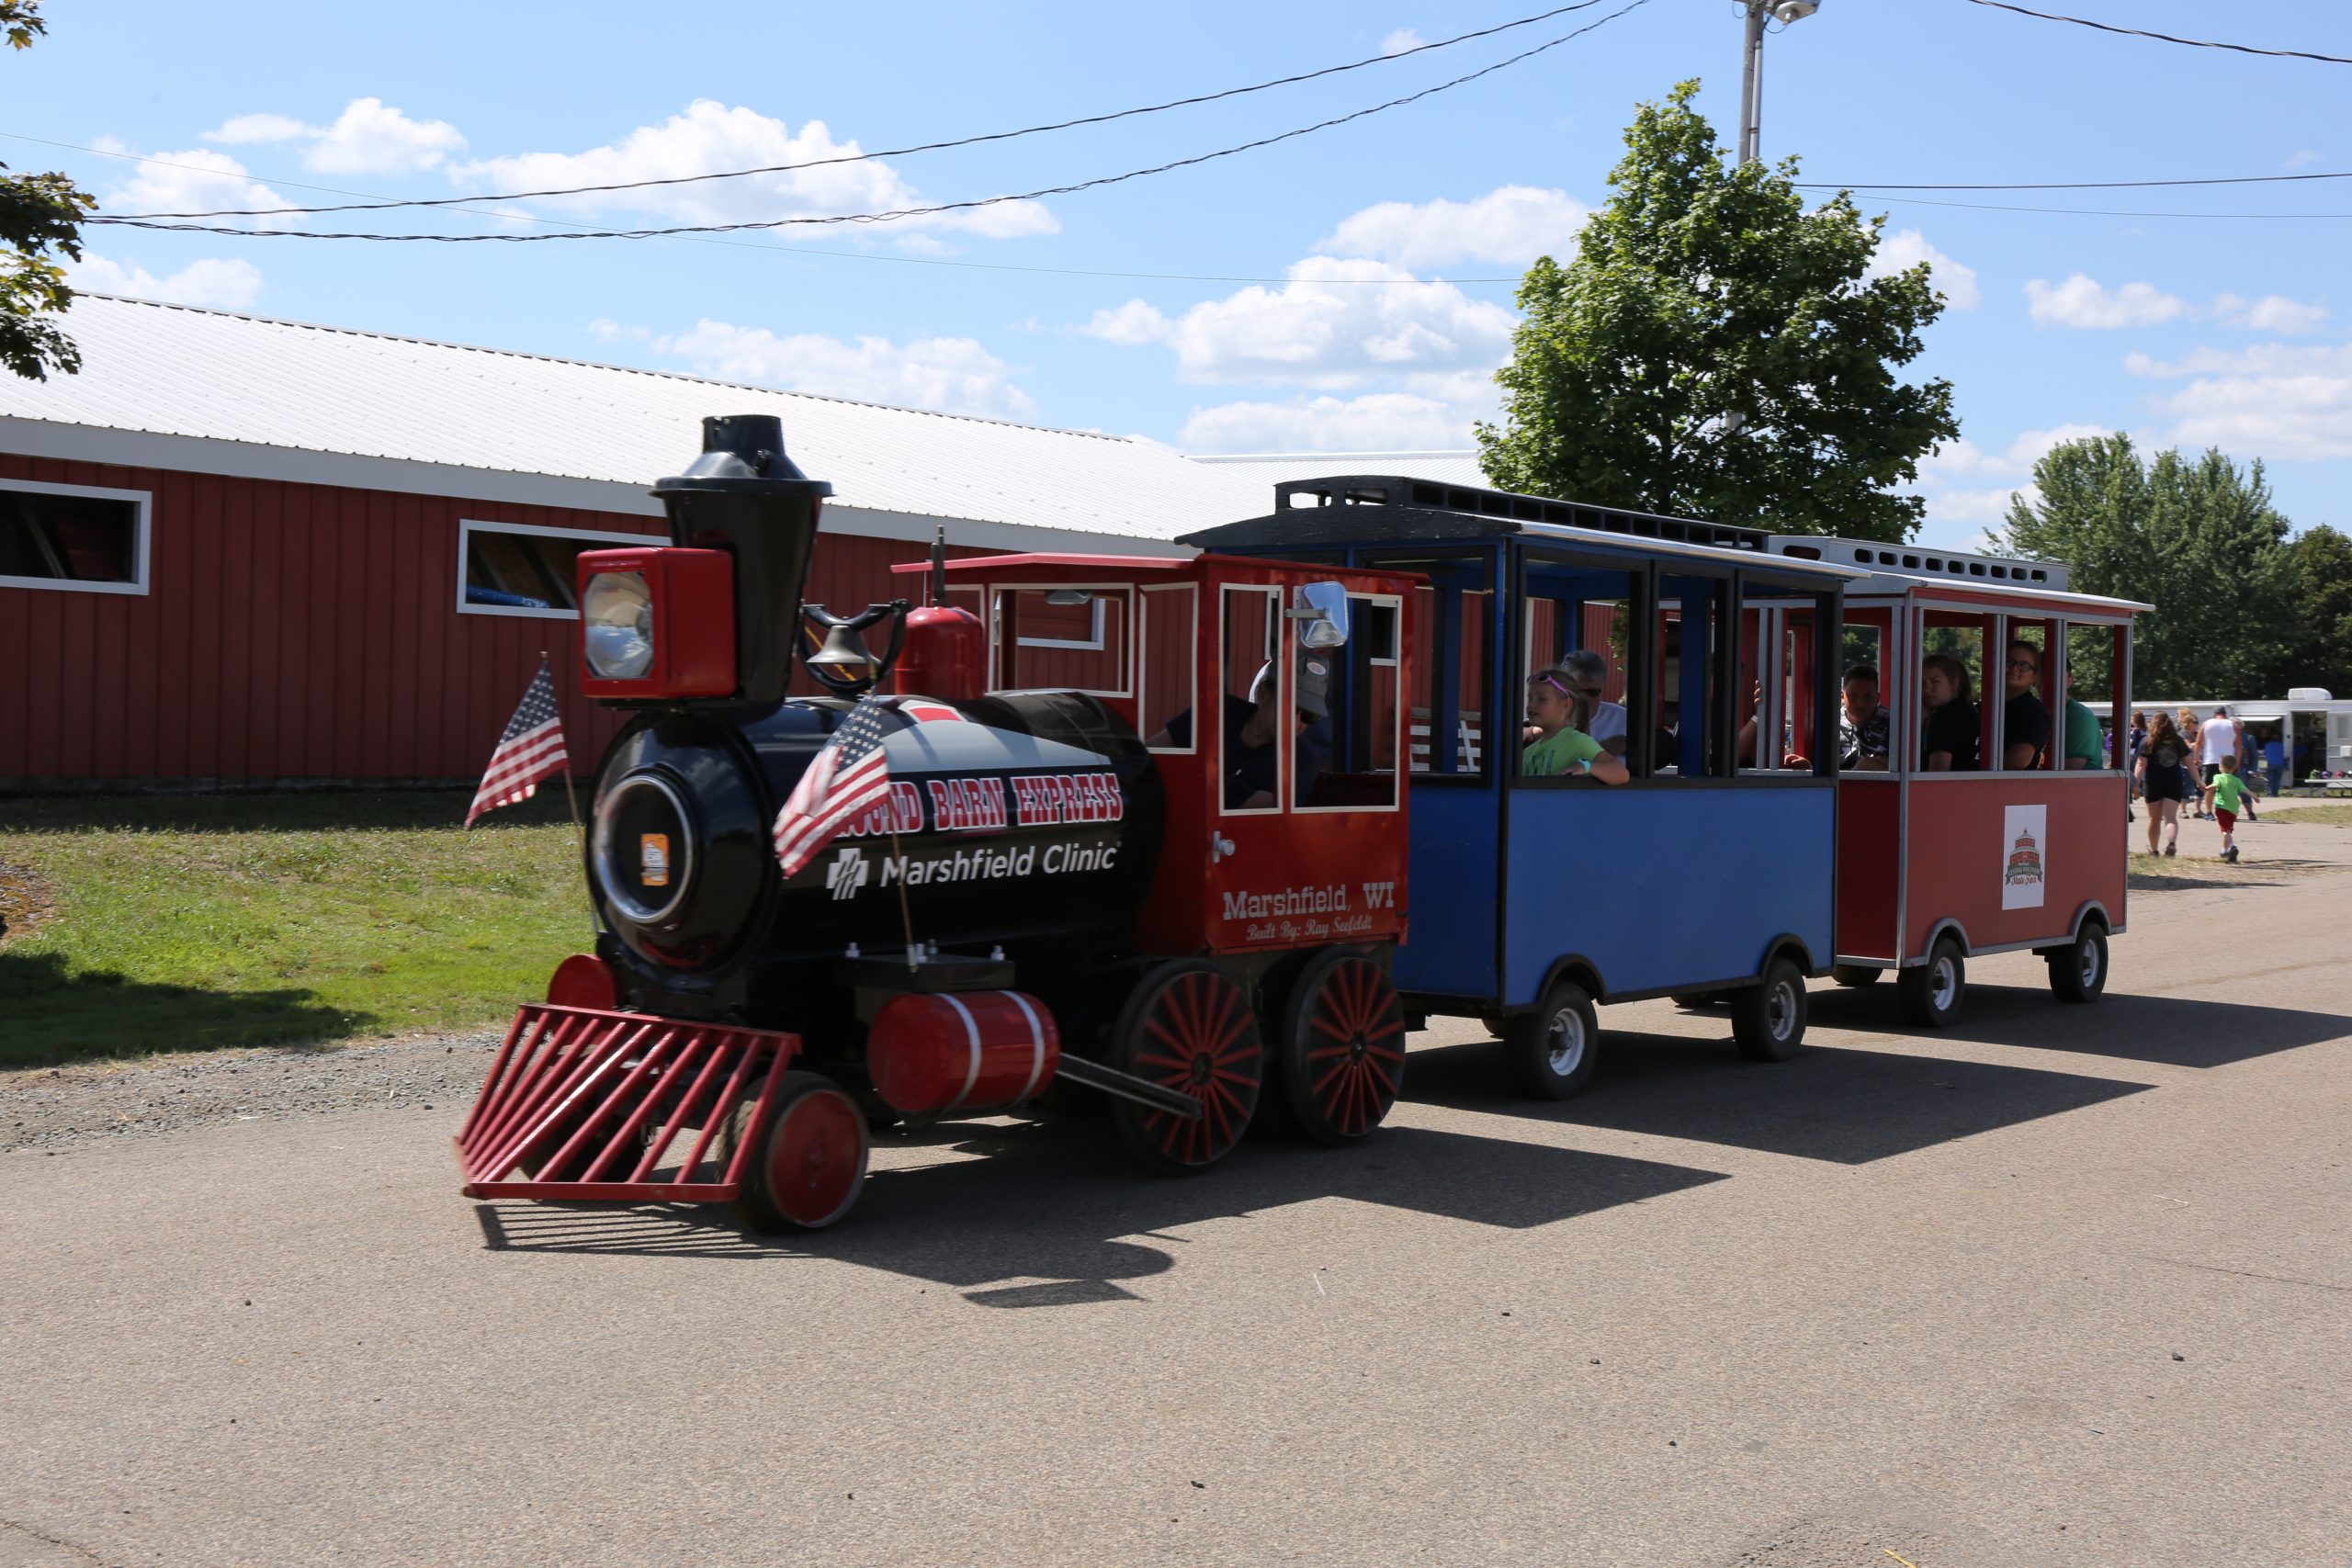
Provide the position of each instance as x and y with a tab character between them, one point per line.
744	495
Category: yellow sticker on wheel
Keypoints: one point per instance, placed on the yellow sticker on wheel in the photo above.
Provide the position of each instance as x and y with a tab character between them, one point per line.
653	860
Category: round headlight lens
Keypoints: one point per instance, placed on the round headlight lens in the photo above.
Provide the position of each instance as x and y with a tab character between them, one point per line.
616	622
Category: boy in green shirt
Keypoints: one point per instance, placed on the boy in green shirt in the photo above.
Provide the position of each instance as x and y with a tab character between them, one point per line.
2229	794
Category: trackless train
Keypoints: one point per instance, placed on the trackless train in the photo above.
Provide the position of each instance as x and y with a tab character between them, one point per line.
1153	829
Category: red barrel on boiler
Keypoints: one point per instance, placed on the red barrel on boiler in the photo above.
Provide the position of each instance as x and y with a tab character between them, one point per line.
961	1051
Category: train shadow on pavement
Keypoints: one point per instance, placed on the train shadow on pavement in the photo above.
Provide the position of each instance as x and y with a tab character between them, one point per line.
2175	1031
1054	1214
1832	1103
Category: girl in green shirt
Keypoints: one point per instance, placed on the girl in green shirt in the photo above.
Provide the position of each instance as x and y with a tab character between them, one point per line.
1559	748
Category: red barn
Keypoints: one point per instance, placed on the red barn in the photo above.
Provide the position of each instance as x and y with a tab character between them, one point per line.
236	550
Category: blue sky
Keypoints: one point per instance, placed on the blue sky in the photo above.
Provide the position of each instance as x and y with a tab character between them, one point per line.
1373	326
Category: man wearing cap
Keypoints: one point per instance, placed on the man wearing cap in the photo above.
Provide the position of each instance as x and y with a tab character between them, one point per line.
1252	725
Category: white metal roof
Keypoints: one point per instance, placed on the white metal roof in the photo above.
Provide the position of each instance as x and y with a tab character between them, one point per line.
1267	469
246	394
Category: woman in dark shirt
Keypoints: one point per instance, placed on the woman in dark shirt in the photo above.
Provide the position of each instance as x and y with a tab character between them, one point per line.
1949	745
2165	781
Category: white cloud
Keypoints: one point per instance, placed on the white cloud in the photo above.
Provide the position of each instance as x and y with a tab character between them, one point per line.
1335	326
1512	226
2083	301
1976	505
1400	40
197	181
1963	459
946	374
368	138
2301	156
1377	421
228	285
1130	324
2272	400
710	138
603	328
2271	313
1906	248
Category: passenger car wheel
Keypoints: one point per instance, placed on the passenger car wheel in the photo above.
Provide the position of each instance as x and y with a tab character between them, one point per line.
2078	970
1553	1050
1767	1020
1931	995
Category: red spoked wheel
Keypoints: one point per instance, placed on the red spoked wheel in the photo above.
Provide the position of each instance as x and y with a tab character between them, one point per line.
807	1164
1189	1027
1343	1047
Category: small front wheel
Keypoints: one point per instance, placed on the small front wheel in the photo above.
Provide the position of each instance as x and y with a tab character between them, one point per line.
2078	970
1931	995
1854	976
1767	1020
807	1163
1554	1050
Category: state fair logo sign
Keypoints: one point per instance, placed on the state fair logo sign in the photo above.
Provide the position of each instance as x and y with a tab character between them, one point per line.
2025	832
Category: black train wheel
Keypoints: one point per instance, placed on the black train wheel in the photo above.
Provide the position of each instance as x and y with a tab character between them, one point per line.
1190	1028
1343	1047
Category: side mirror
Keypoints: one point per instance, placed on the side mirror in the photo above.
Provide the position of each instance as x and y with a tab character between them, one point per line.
1324	607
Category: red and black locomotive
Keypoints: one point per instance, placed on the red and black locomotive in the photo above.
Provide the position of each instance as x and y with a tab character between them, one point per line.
1070	889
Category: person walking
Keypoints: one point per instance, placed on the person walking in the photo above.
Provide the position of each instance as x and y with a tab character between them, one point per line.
2228	792
2163	782
2274	762
2216	738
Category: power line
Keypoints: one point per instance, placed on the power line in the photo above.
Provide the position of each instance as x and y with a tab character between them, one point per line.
135	222
2082	185
2165	38
380	205
813	250
2102	212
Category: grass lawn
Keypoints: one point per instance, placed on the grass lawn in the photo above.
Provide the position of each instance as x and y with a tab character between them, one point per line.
2327	813
147	925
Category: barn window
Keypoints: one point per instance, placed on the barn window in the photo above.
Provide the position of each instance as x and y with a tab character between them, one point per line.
77	538
517	568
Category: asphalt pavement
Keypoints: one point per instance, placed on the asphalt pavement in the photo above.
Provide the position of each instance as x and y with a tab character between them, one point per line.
2061	1285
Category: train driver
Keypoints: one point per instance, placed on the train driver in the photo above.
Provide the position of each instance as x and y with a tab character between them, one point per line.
1251	725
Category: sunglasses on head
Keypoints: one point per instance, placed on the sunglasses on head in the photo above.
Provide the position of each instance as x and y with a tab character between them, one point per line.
1551	681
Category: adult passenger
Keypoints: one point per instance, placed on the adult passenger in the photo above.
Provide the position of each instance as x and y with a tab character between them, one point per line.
1950	740
1560	748
1588	676
1864	727
1252	725
2164	780
2025	719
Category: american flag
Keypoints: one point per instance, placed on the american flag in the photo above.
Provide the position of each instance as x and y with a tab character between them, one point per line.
531	748
849	775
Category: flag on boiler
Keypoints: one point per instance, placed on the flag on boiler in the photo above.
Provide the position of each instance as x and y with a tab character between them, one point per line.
850	774
531	748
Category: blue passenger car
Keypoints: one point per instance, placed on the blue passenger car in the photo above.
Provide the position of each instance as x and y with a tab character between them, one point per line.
1709	875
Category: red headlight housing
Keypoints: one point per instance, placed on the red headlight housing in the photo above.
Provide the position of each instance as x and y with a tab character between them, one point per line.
658	622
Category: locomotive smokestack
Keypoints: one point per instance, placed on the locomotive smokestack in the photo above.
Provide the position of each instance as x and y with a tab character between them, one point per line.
744	495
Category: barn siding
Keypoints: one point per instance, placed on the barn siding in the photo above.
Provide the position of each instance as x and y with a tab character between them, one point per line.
297	631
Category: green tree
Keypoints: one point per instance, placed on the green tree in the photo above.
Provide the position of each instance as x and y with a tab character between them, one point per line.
1715	349
2196	538
2319	566
39	217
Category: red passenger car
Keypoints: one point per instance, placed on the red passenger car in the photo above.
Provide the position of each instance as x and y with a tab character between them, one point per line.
1995	826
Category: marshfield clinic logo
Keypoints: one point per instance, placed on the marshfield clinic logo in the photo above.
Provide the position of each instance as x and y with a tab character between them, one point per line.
2025	833
848	872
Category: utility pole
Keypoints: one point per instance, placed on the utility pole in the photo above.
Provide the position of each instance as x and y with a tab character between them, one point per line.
1751	66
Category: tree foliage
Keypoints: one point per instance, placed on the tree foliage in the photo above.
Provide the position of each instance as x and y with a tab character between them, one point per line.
1715	349
40	219
2196	538
2319	569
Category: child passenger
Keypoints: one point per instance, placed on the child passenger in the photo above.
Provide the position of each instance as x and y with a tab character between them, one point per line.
1558	746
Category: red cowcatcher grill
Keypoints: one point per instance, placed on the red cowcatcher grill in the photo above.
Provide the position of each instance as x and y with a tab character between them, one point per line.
586	1104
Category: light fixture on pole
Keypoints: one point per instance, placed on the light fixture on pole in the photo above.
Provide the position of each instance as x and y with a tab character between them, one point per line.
1751	73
